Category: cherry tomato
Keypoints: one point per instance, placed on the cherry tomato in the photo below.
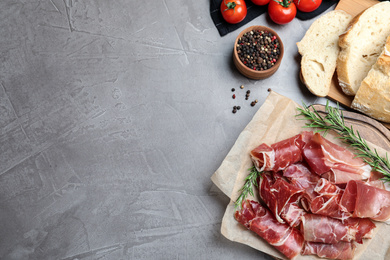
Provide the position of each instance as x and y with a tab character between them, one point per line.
282	12
233	11
307	5
260	2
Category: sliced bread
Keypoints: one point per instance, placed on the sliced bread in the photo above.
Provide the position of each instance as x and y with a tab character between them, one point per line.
361	45
373	96
319	49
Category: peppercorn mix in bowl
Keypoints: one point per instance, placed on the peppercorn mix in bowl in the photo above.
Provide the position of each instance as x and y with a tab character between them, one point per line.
258	52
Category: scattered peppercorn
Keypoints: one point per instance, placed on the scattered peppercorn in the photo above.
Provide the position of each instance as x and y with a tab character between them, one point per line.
247	94
269	90
258	50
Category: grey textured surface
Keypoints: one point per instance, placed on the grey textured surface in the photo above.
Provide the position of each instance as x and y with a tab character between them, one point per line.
113	117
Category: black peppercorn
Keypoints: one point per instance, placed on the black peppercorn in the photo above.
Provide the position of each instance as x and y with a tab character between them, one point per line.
258	50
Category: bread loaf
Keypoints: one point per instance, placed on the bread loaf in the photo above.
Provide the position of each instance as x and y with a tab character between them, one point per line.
319	49
361	45
373	96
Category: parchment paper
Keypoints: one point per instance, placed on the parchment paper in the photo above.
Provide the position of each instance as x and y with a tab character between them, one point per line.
275	121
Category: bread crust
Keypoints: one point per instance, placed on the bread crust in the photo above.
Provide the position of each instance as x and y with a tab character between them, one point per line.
373	96
348	42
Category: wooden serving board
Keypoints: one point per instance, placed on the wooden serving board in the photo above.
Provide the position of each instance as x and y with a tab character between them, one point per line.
353	7
368	128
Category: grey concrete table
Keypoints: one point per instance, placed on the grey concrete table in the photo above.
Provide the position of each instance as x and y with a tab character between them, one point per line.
113	117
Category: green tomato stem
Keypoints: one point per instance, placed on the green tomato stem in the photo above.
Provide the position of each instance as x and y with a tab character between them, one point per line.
284	3
231	5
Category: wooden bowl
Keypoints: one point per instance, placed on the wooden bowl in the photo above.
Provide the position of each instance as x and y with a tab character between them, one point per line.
251	73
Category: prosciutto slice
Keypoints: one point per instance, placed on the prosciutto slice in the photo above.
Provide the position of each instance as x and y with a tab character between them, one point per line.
366	201
301	177
337	163
322	229
260	220
281	198
327	203
327	189
281	154
362	227
341	250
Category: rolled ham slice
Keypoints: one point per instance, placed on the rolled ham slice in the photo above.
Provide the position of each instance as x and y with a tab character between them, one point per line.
362	227
327	201
341	250
289	241
301	177
281	198
338	164
366	201
322	229
281	154
326	188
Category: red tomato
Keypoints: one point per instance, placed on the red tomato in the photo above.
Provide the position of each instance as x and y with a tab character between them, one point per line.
307	5
282	12
260	2
233	11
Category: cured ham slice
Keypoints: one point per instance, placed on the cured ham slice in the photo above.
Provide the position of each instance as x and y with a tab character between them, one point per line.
341	250
281	198
363	228
365	201
338	164
322	229
321	206
326	188
327	203
260	220
301	177
341	177
281	154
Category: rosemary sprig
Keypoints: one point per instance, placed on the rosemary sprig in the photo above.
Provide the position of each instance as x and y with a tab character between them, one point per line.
250	181
334	120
